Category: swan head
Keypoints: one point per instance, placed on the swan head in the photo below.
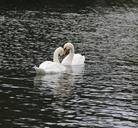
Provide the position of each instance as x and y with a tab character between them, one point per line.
60	51
68	47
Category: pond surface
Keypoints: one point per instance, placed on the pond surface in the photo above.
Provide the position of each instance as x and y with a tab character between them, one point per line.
102	94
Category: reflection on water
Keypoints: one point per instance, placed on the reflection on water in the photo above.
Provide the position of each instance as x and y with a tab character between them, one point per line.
102	94
57	83
60	83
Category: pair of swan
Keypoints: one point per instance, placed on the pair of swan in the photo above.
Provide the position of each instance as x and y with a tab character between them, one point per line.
55	66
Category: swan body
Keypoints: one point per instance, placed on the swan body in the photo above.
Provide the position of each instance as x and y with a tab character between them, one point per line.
72	58
51	67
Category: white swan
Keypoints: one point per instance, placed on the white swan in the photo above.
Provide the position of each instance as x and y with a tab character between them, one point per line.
72	58
52	67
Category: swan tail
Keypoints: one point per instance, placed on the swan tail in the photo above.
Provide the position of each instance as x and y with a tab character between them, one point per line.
39	70
83	58
35	67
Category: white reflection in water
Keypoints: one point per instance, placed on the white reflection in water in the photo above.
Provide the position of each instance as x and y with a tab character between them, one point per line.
76	70
60	83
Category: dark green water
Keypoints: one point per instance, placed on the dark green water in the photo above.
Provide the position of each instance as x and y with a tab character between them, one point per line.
103	94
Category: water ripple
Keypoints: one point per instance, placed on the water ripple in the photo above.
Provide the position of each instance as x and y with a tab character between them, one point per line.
101	94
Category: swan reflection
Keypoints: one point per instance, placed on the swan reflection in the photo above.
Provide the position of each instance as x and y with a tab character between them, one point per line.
75	70
60	84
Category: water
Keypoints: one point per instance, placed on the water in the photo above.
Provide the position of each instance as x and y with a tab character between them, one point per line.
102	94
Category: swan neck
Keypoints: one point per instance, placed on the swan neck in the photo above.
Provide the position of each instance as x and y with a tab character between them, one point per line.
72	50
71	54
55	57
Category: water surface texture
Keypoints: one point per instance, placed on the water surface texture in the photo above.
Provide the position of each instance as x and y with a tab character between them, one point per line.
102	94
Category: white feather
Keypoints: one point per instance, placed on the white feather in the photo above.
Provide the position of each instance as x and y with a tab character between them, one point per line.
51	67
72	58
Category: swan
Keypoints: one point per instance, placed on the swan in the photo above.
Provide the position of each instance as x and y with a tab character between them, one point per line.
52	67
72	58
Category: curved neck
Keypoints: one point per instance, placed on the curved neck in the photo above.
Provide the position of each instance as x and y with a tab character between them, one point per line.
55	57
72	50
71	55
